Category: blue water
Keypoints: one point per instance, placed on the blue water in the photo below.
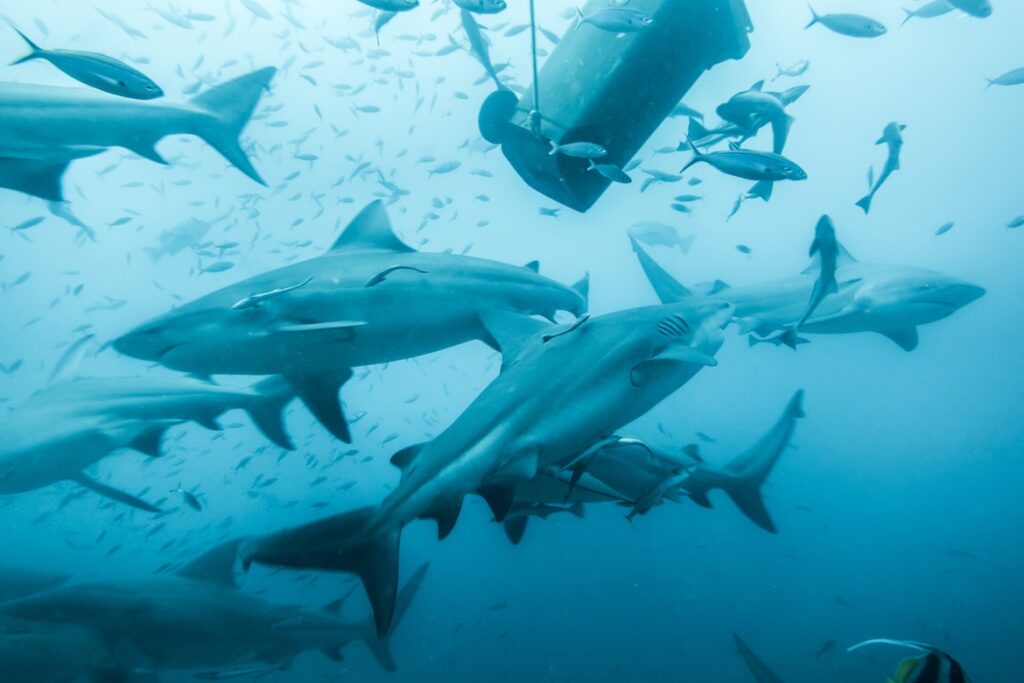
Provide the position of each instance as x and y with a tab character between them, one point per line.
898	505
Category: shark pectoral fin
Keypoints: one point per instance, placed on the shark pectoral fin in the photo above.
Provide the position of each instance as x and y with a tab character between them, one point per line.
499	498
906	337
320	394
446	514
510	332
644	371
34	177
370	231
88	482
668	289
515	528
214	566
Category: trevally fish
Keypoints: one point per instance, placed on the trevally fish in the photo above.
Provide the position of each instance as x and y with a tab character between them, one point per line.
96	70
852	25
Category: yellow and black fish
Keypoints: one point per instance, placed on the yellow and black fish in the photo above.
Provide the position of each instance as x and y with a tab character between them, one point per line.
933	666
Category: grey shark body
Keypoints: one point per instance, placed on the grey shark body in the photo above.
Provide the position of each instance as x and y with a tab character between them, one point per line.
370	299
198	620
45	128
600	374
889	300
64	429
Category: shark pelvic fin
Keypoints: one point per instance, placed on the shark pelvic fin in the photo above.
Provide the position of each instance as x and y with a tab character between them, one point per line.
113	494
370	231
320	394
905	337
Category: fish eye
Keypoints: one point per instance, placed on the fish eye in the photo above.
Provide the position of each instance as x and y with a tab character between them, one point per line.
122	84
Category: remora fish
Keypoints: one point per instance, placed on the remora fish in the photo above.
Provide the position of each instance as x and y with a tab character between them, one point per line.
611	369
889	300
96	70
892	136
62	430
44	128
315	334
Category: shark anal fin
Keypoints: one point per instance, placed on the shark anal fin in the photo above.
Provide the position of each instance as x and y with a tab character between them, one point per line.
116	495
320	394
499	498
446	514
148	442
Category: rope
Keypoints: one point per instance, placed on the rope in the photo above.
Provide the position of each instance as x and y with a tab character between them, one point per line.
535	116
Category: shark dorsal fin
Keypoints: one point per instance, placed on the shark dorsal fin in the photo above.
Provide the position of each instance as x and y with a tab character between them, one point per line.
370	231
214	566
757	86
534	266
510	332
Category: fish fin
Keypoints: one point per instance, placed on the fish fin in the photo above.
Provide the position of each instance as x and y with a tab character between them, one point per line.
320	394
267	411
405	457
32	177
228	107
510	332
762	189
757	87
84	480
376	565
381	646
446	513
904	337
717	287
148	442
910	15
214	566
696	131
147	150
814	17
780	132
582	287
370	230
865	202
35	52
644	371
499	498
668	289
515	528
533	265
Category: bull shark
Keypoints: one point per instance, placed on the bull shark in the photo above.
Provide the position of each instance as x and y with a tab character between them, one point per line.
636	475
886	299
44	128
58	653
197	620
64	429
605	371
370	299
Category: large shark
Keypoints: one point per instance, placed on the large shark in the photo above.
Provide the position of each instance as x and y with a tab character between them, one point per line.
369	299
561	389
64	429
889	300
197	620
57	653
45	128
639	476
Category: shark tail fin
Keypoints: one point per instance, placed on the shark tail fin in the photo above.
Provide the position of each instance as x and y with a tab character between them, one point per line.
275	393
668	289
865	203
320	394
229	107
35	52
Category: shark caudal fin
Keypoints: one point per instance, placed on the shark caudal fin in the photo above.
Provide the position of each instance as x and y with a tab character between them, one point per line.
743	476
320	394
229	107
381	647
668	289
267	410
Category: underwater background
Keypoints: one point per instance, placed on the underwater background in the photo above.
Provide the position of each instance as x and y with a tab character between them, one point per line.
898	506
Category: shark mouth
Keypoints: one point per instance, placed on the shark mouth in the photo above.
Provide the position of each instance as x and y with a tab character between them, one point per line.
163	353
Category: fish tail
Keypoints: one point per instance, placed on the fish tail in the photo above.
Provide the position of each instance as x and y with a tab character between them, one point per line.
554	148
36	51
865	203
910	15
988	84
697	155
228	107
814	17
582	20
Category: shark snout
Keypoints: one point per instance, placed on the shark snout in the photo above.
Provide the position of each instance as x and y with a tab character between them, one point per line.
965	293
